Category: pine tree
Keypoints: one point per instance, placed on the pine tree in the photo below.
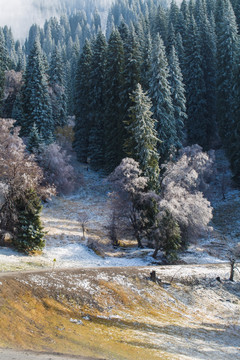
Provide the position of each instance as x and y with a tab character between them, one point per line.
160	24
160	93
57	82
98	101
2	68
35	140
195	89
30	234
146	62
83	100
178	95
36	99
208	54
114	114
132	68
141	143
227	58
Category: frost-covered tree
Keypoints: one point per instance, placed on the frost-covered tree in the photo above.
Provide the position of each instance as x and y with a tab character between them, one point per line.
19	172
141	143
129	185
182	196
57	169
160	93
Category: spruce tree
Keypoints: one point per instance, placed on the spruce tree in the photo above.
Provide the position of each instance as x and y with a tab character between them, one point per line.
57	82
141	143
195	89
96	139
160	93
36	100
83	100
227	58
35	140
208	54
2	69
114	114
30	234
132	69
178	95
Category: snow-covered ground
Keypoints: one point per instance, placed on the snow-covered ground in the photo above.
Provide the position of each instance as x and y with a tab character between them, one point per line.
65	246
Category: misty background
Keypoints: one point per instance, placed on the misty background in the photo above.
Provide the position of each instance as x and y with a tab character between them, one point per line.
20	15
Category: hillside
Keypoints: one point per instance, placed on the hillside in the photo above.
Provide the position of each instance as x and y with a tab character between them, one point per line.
188	315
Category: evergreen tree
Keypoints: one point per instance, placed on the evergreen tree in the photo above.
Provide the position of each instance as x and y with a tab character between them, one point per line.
160	24
30	234
141	143
132	70
160	93
83	103
178	95
36	99
98	101
35	140
2	69
114	115
146	62
195	89
57	82
227	58
208	54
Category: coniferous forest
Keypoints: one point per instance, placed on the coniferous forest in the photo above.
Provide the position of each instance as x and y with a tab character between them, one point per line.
140	86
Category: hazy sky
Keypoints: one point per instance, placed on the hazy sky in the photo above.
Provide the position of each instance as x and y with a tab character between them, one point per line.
21	14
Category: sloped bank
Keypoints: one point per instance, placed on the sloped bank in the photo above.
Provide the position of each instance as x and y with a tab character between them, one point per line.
117	313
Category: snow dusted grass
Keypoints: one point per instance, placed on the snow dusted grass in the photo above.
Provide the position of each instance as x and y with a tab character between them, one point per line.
120	314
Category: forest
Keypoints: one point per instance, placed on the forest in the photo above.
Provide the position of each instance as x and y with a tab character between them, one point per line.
144	98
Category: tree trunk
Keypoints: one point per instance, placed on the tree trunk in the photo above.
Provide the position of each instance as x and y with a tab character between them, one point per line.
140	245
155	252
153	276
232	263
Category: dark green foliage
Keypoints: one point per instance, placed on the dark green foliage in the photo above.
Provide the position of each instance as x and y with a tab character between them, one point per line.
132	70
36	100
160	93
178	96
227	58
83	104
35	140
57	83
2	68
141	143
96	148
168	237
113	124
195	89
30	234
